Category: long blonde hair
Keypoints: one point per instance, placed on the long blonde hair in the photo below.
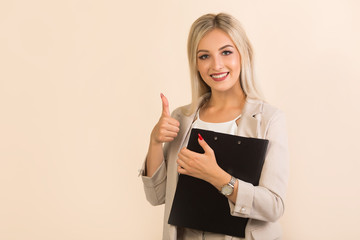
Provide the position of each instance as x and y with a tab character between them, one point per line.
233	28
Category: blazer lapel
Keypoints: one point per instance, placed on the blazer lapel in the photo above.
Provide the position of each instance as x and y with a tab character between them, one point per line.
247	126
249	123
186	128
188	121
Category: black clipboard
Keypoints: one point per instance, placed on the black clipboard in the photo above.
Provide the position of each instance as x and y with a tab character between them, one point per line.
199	205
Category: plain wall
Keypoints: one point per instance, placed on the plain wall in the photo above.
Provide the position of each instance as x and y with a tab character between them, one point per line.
79	96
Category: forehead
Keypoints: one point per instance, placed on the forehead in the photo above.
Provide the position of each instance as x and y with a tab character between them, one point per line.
215	39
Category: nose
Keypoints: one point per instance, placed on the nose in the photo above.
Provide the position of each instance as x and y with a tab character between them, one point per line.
217	63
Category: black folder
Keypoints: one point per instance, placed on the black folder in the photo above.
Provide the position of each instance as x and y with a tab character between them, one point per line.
199	205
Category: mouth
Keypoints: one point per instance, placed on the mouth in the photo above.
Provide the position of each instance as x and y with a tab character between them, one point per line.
219	76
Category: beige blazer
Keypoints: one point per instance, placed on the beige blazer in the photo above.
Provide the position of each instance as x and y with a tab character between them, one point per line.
263	204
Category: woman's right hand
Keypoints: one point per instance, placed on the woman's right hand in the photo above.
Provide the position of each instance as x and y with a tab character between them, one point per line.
167	127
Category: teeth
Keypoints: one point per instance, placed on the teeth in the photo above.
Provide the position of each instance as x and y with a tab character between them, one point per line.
219	75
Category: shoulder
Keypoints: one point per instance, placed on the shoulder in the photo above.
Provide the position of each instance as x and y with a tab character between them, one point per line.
271	118
274	121
271	112
181	112
267	111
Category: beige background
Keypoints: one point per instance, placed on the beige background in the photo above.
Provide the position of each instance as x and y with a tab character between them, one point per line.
79	95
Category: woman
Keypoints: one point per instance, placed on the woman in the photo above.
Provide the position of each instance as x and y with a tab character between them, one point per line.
225	99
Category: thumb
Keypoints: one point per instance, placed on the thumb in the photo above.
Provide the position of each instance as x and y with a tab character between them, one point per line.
204	145
165	105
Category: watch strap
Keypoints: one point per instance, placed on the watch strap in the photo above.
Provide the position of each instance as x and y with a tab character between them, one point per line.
232	181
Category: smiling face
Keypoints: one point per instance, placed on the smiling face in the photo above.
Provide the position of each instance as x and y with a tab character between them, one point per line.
218	61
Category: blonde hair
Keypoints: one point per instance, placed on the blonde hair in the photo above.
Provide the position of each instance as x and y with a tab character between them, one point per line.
233	28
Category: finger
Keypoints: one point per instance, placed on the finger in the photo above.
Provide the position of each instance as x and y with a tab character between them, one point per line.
172	129
167	139
166	136
167	133
182	170
204	145
165	127
173	122
165	105
181	163
184	156
169	125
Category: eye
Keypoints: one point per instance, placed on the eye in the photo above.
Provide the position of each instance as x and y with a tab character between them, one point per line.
203	57
226	53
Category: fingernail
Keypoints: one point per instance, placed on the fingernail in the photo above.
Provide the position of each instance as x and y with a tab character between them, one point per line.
200	137
161	95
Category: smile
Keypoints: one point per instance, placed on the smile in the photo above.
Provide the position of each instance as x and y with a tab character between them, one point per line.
219	76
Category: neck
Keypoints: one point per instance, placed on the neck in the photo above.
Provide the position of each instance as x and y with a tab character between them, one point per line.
224	100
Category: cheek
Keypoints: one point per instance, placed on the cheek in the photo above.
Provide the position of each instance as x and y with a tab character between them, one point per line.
235	60
203	72
201	67
235	64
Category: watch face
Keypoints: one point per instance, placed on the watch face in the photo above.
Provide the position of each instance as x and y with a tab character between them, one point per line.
227	190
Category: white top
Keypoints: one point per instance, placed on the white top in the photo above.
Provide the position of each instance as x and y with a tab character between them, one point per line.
229	127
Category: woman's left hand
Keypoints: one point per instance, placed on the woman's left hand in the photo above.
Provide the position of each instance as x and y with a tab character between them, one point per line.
203	166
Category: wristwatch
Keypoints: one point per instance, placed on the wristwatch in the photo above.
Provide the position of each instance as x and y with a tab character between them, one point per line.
228	189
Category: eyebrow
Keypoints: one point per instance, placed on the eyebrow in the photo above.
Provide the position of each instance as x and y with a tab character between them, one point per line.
219	48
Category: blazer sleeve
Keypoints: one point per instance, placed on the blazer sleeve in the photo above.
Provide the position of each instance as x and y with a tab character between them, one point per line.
155	186
266	201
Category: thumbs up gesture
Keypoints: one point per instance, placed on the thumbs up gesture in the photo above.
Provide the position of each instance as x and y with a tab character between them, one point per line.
167	128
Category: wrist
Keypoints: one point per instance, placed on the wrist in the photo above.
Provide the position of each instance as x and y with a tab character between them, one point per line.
153	141
220	179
